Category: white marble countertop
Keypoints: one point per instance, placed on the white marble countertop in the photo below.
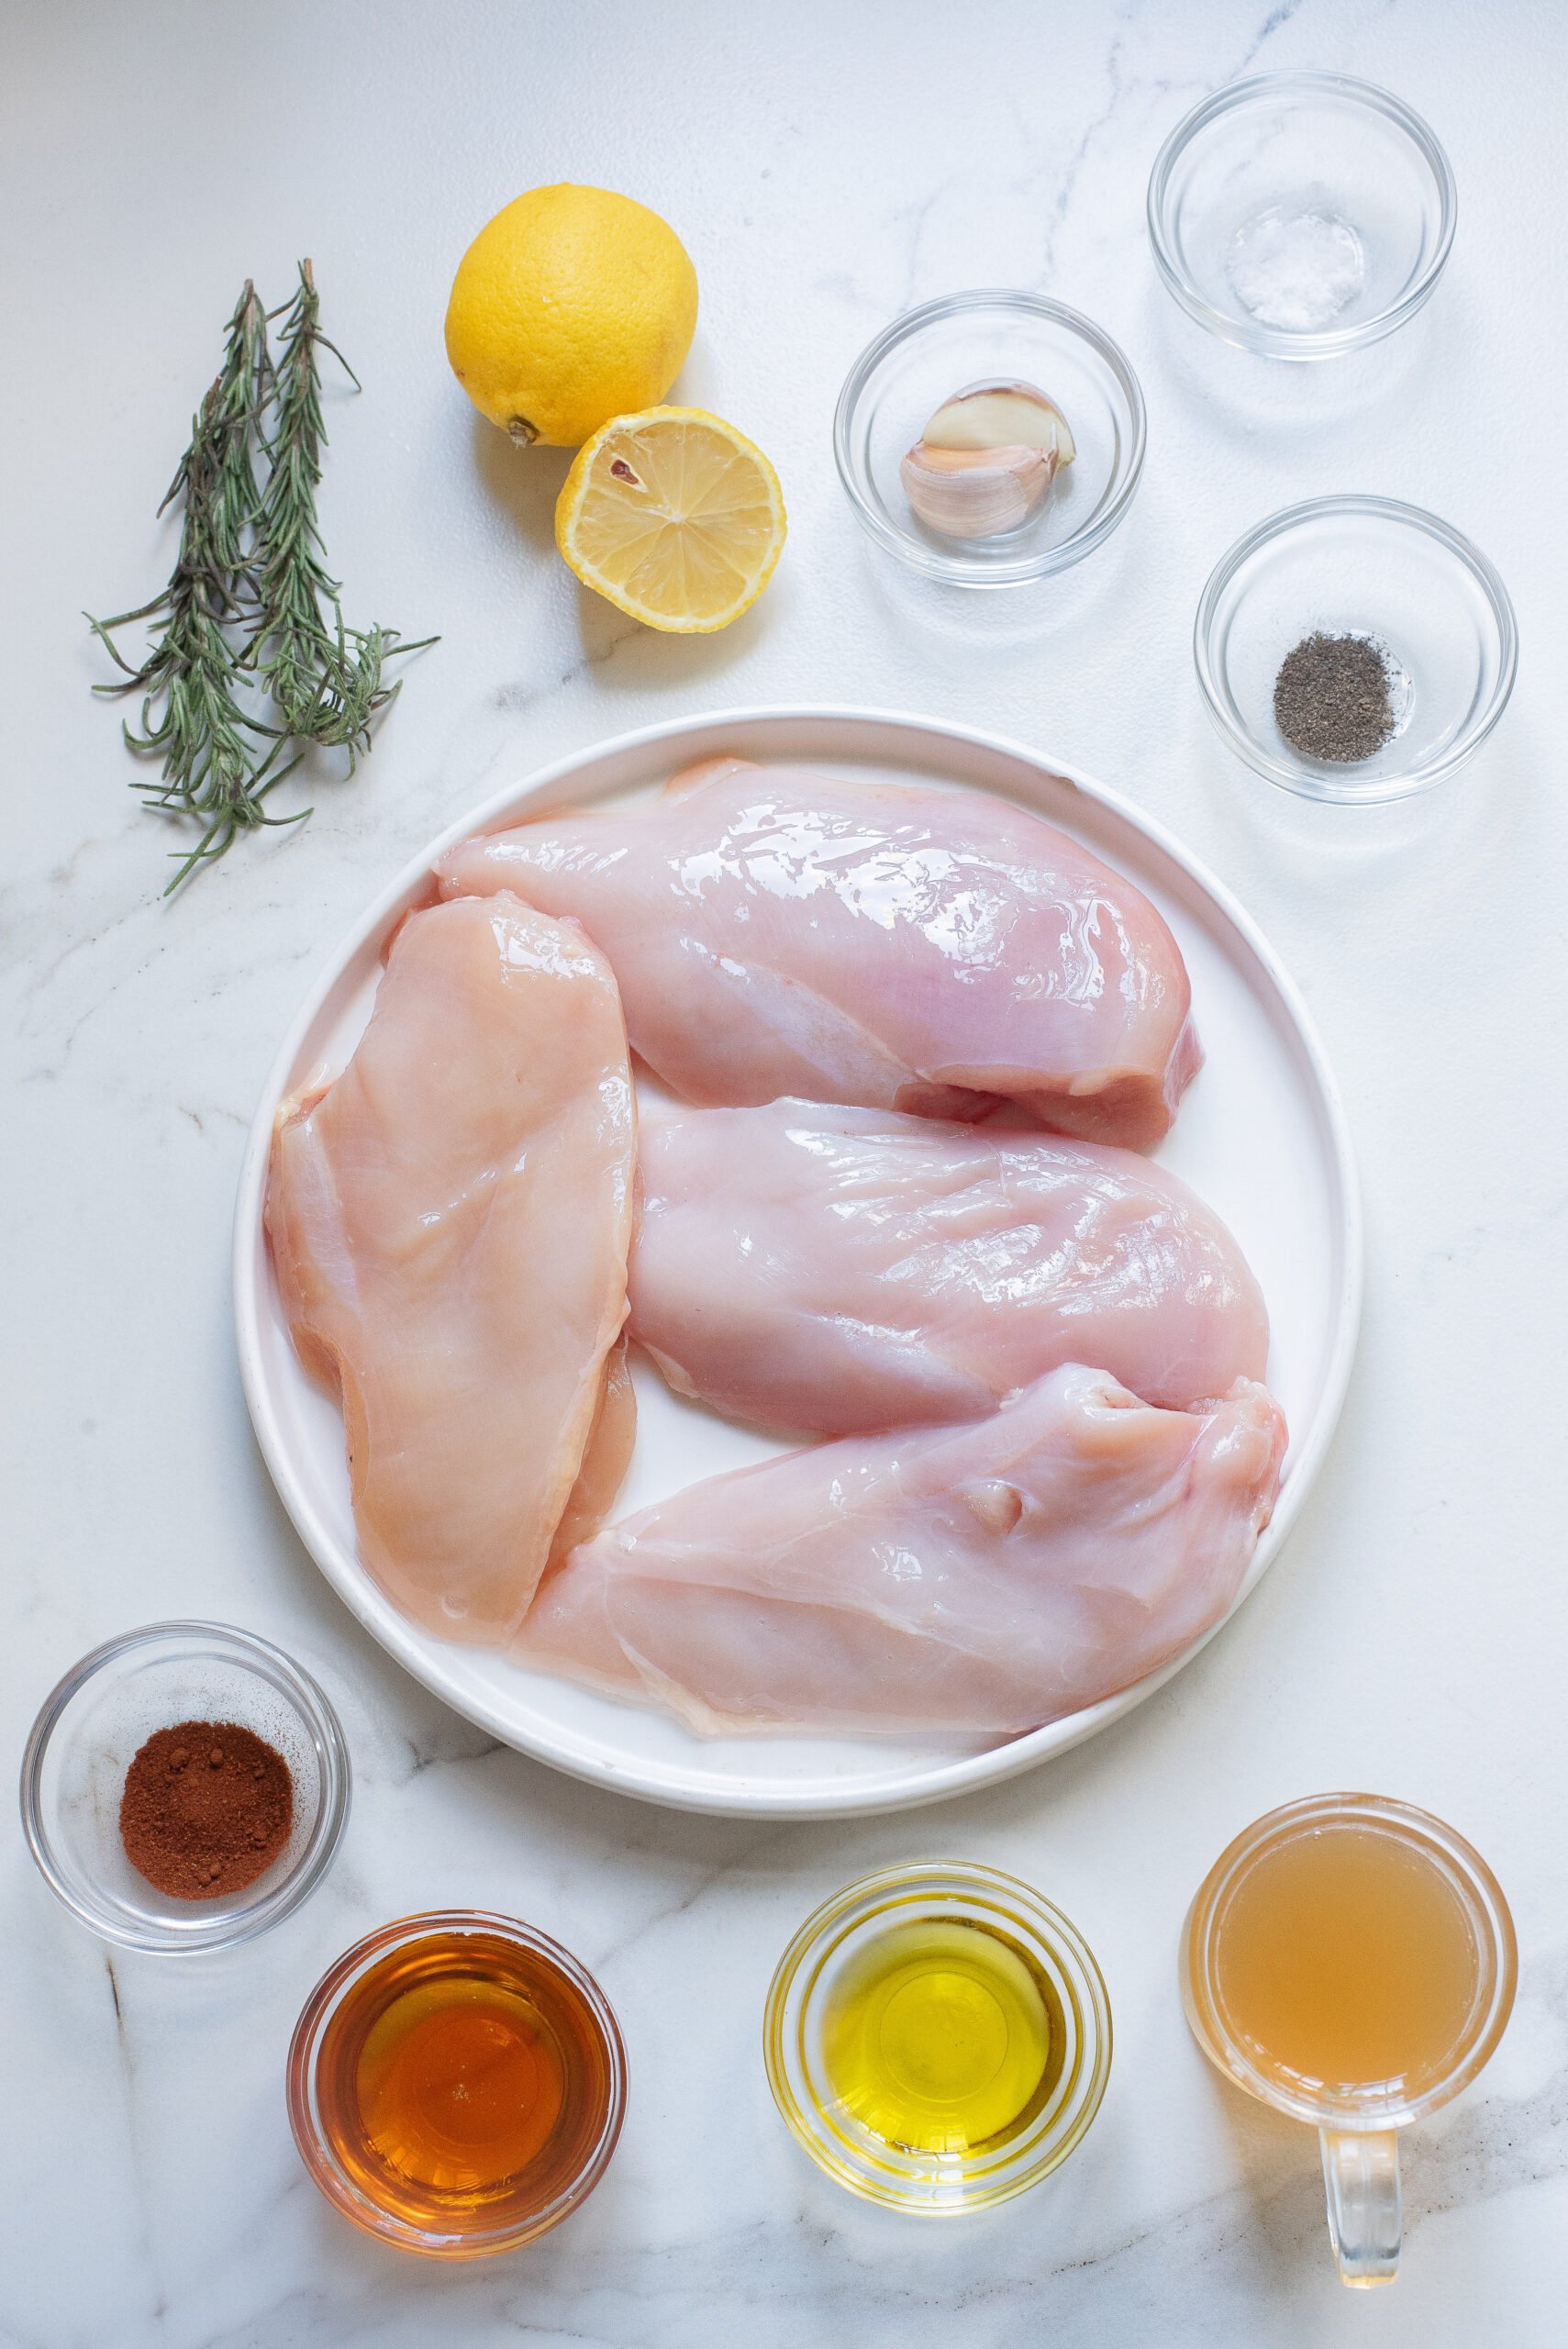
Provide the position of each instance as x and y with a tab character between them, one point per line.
826	165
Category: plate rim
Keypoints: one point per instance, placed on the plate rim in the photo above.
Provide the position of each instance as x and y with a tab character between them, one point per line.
804	1799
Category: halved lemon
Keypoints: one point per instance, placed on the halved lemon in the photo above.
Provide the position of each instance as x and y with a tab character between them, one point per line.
673	516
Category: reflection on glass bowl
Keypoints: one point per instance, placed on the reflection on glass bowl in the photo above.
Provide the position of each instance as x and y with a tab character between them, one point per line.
1369	567
1301	216
946	346
964	2063
87	1734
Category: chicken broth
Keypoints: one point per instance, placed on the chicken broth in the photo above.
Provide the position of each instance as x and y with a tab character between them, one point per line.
1345	1959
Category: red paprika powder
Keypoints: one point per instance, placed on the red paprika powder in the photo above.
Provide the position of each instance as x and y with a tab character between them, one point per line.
206	1808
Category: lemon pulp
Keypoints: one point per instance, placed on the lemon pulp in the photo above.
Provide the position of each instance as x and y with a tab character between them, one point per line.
936	2037
673	516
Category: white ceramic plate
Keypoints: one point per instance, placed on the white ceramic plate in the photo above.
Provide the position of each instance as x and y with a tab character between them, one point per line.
1261	1135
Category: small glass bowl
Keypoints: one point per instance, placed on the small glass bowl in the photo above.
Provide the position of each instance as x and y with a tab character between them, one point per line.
922	359
1301	216
1368	567
476	2231
87	1734
800	2000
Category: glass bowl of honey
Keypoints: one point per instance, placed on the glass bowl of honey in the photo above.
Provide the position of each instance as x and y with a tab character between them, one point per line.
938	2037
457	2084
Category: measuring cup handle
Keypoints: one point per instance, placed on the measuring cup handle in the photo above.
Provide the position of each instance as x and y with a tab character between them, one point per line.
1361	2172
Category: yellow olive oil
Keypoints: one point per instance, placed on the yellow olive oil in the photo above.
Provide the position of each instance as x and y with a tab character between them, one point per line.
940	2037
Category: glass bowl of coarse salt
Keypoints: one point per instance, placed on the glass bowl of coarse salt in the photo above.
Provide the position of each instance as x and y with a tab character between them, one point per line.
1354	649
1301	216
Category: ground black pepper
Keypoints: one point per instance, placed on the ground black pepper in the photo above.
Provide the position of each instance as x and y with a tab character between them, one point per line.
207	1807
1331	698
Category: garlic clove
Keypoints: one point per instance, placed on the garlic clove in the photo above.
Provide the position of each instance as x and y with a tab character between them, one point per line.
1001	415
975	493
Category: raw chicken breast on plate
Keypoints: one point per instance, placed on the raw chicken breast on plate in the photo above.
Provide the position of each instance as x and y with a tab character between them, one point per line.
606	1456
980	1579
803	1265
449	1223
777	931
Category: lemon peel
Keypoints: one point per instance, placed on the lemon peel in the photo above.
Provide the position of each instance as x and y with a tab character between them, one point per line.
574	305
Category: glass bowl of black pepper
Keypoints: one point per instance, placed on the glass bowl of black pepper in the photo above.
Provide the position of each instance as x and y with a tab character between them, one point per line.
178	1843
1355	650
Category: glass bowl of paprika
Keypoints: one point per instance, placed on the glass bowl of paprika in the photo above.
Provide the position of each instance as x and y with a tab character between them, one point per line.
184	1788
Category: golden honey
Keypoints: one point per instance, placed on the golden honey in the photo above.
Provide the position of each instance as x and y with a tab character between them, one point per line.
457	2088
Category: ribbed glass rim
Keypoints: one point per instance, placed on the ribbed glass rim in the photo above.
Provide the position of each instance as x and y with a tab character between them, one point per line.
1276	342
935	2185
959	570
315	2150
242	1921
1305	782
1466	1870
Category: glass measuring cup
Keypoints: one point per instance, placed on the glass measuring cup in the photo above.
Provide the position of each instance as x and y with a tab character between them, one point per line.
1292	1952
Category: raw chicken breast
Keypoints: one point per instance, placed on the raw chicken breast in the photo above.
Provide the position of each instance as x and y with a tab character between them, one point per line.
448	1224
835	1269
978	1579
775	930
612	1437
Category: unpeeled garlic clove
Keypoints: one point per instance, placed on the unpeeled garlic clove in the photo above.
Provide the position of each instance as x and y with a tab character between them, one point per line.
1001	415
975	493
985	460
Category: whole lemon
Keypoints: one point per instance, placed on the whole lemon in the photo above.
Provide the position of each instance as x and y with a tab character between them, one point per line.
571	307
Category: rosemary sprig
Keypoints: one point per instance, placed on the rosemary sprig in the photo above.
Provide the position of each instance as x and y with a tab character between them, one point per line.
325	678
192	715
246	613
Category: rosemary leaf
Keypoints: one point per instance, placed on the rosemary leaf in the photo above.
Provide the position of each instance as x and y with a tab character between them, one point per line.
325	678
241	634
192	714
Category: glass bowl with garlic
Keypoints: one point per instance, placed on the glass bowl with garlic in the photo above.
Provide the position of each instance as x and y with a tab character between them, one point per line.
990	438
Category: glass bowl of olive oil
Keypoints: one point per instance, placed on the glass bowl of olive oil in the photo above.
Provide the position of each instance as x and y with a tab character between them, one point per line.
938	2037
